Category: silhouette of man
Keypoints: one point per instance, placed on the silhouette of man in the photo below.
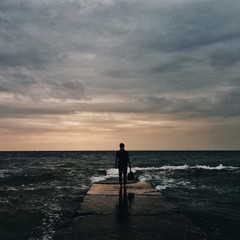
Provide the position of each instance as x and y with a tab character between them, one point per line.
122	161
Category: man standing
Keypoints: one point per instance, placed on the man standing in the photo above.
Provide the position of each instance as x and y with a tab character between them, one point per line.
122	161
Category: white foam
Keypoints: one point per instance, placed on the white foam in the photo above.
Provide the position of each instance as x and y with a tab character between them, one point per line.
166	183
185	166
219	167
167	167
145	177
4	201
78	187
113	172
12	189
158	187
110	173
183	183
142	179
145	168
4	173
98	178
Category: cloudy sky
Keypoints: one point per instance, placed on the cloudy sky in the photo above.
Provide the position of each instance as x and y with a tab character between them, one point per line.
88	74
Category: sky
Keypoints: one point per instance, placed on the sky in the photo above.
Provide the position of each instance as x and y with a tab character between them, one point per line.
89	74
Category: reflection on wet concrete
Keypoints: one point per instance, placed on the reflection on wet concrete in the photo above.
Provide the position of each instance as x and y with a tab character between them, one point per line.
124	205
122	213
138	212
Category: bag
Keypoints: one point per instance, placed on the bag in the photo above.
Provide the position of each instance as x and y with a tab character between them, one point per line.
130	175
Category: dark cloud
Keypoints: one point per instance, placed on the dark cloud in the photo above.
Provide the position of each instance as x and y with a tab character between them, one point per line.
225	57
28	111
169	65
228	104
224	104
158	56
65	90
188	25
121	73
166	67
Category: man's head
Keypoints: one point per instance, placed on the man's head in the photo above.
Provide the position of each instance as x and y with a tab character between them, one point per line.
121	145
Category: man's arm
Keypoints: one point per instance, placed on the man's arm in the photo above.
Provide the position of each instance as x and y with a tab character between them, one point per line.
129	162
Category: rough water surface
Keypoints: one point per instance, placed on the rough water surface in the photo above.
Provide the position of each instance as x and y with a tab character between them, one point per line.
39	191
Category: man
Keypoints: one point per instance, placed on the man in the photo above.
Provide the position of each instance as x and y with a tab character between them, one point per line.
122	161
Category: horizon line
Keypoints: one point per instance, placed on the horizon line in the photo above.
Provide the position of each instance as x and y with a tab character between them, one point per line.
144	150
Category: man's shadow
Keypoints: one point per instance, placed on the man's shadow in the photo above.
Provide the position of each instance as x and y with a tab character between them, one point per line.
124	205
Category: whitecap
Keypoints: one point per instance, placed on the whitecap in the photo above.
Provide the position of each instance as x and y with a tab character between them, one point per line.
181	167
142	179
184	167
219	167
112	172
4	173
145	168
12	189
167	167
98	178
183	183
166	183
158	187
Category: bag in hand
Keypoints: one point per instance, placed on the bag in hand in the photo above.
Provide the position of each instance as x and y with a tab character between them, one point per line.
130	175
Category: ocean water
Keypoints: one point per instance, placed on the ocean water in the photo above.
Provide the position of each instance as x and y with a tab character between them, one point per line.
39	191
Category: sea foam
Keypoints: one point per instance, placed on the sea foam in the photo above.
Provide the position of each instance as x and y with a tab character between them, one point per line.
184	167
113	172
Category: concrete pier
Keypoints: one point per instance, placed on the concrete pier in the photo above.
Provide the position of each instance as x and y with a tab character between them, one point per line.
138	212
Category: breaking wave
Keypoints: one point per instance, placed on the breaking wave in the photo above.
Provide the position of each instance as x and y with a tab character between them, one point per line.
185	166
113	172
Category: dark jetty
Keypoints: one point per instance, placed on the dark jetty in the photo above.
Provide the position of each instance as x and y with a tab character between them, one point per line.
138	212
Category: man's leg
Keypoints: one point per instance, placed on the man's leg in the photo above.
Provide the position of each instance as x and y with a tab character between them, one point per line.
125	176
120	171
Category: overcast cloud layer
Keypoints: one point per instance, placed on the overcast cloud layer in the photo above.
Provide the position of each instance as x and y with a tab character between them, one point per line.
89	67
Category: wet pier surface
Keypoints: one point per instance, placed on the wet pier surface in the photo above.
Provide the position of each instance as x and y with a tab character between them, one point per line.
138	212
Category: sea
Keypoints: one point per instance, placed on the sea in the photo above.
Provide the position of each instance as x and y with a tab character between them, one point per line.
40	191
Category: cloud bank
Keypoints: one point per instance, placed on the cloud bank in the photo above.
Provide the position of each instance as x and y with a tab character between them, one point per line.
95	68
